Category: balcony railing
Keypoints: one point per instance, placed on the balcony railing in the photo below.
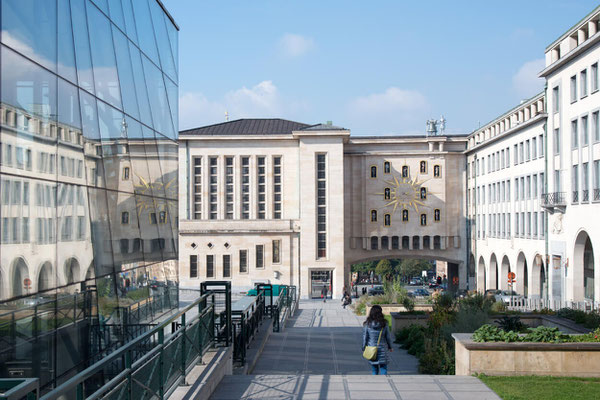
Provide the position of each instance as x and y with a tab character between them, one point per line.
553	199
575	198
596	194
585	196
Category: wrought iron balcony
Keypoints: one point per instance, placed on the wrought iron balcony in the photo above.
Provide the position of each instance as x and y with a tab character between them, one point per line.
552	201
585	196
575	198
596	194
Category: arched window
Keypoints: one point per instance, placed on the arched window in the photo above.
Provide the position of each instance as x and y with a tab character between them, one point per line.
373	171
386	167
385	242
423	193
423	167
436	215
404	215
395	242
405	171
374	243
387	193
405	242
423	219
437	171
387	220
373	215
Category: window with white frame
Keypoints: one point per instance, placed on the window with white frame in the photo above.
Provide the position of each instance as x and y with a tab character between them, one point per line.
261	188
245	186
555	99
229	196
277	192
556	142
573	82
596	126
594	77
321	205
574	135
213	188
583	82
584	131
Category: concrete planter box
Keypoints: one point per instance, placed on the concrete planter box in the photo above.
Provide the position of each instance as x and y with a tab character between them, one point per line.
390	308
402	320
499	358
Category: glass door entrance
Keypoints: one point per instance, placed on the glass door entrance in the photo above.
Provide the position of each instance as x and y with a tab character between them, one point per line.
319	280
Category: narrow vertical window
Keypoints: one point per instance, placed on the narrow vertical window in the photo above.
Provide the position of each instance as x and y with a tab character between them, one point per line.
260	256
261	185
229	188
210	266
405	172
125	173
437	171
387	193
125	217
387	220
386	167
423	167
556	142
555	99
423	193
594	77
596	126
584	131
573	88
277	187
322	205
193	266
245	187
373	215
214	179
226	266
197	187
243	261
436	215
423	219
583	83
373	171
574	135
404	215
276	251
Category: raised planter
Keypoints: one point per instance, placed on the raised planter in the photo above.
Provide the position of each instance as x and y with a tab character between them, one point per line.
402	320
499	358
388	309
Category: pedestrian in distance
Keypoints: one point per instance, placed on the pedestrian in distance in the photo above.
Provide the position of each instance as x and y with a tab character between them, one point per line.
376	335
346	299
324	294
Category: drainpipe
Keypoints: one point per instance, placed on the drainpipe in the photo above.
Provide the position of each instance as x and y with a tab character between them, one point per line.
546	234
187	177
468	225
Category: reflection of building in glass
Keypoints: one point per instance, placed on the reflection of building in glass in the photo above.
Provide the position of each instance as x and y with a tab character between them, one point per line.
88	165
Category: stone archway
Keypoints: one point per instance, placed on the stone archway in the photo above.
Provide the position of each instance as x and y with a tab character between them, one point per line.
504	270
493	273
481	275
44	280
583	265
538	277
522	285
72	271
20	272
472	272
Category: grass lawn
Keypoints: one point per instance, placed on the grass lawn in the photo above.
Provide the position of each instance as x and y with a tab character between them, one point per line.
543	387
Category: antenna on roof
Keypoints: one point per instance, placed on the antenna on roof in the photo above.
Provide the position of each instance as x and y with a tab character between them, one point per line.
226	115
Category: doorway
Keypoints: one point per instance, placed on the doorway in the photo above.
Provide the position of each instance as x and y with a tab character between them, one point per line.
319	280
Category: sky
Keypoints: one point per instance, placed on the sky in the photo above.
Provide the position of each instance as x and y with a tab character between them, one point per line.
377	67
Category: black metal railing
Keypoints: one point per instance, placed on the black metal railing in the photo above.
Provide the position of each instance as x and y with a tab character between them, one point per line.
553	199
596	194
575	198
585	195
245	324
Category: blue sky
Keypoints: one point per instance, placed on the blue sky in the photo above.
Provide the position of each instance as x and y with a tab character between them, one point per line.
375	67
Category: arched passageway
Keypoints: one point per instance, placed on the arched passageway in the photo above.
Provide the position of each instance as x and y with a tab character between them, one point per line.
44	281
20	272
522	284
583	266
72	271
538	278
493	273
504	270
481	275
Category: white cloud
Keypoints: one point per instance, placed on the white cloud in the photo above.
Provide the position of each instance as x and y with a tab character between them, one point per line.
293	45
260	101
395	111
526	82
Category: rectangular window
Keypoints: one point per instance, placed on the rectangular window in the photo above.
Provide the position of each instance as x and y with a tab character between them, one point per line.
521	153
125	217
596	126
516	154
574	135
527	150
229	188
245	188
542	226
583	83
226	266
125	173
193	266
260	256
528	187
585	179
556	142
541	144
81	228
213	188
197	187
555	99
67	228
321	206
243	261
522	188
597	177
534	189
584	131
210	266
261	185
533	148
594	77
557	181
153	219
277	202
25	230
276	251
575	183
573	88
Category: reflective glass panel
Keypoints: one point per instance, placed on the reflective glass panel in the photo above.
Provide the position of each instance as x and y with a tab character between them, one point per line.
162	40
116	13
66	51
82	45
158	99
129	20
130	105
143	22
140	85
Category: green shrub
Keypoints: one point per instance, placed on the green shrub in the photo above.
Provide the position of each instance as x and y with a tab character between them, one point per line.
498	307
476	301
488	333
409	304
545	334
511	323
360	305
437	359
465	321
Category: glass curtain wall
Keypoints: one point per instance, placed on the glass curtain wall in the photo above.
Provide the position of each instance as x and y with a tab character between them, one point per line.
88	178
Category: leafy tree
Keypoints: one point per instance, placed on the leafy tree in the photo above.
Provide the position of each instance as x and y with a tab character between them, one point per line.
384	269
412	267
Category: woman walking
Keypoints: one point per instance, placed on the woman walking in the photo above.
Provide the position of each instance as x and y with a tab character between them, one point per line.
376	333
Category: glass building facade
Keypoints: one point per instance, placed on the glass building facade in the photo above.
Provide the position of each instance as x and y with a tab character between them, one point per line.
88	178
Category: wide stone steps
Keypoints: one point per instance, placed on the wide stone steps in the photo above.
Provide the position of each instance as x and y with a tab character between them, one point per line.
358	387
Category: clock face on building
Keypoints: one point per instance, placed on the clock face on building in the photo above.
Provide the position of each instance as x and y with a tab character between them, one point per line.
404	193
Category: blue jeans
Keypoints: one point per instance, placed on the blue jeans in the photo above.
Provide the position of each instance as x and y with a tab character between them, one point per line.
379	369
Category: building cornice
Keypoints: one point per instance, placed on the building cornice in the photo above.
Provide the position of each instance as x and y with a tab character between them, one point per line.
567	58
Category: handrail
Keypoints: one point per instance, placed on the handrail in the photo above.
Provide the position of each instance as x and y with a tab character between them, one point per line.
73	382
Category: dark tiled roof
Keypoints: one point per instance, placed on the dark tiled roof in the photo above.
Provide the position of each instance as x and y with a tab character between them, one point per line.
259	126
324	127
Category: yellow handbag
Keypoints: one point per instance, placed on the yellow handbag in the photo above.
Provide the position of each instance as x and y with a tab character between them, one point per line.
370	352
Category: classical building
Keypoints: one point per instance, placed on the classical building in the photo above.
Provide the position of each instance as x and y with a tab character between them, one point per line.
534	181
285	202
88	174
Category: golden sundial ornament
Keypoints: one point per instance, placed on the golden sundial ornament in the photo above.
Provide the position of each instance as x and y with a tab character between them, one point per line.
404	193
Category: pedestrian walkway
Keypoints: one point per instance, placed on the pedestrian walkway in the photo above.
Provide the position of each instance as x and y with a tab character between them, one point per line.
318	356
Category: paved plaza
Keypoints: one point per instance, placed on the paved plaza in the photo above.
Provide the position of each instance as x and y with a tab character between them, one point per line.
318	356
